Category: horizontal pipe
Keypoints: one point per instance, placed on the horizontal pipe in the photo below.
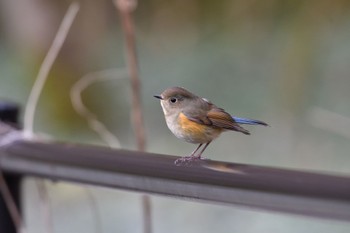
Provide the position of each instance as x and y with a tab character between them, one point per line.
289	191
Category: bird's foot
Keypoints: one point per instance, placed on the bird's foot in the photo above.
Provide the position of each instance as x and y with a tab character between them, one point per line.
187	160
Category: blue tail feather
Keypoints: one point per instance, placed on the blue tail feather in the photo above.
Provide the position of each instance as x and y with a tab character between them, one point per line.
248	121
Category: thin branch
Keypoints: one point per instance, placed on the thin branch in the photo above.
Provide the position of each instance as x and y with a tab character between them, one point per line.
94	210
45	205
78	105
330	121
37	90
11	204
46	66
125	7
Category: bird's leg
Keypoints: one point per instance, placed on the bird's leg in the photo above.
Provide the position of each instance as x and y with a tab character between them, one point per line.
186	160
199	146
192	156
205	147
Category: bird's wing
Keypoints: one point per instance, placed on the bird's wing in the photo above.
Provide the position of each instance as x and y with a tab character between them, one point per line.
199	117
222	119
216	117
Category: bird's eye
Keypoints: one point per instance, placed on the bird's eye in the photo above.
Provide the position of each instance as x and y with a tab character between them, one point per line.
173	100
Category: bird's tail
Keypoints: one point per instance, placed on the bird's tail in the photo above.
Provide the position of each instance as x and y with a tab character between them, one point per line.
248	121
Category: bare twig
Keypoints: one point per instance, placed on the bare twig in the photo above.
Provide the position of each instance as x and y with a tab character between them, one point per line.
78	105
125	7
11	204
46	66
330	121
35	94
94	210
45	205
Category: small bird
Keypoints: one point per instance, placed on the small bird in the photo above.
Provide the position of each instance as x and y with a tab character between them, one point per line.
197	120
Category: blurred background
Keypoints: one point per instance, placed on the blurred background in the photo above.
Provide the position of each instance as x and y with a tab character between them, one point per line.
284	62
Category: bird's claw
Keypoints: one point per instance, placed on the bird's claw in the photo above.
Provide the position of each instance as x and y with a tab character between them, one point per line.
187	160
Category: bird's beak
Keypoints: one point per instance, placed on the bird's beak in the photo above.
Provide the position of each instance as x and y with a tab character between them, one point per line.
158	97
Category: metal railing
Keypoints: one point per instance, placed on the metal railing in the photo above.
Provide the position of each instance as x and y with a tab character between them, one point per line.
266	188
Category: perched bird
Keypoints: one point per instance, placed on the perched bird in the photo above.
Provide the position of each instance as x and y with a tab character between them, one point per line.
197	120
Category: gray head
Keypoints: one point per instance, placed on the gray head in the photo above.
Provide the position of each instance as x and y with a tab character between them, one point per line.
174	99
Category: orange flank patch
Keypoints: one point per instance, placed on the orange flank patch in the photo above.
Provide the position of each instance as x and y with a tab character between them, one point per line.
195	132
191	126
